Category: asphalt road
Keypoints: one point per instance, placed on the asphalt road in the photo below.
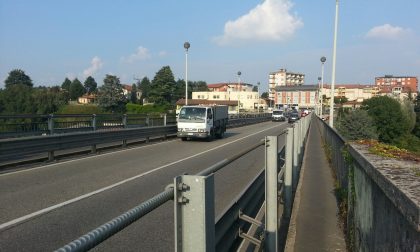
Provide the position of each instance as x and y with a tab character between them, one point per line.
44	208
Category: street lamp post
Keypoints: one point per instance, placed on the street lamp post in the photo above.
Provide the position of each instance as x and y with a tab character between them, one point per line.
258	106
333	67
319	97
239	90
323	59
186	46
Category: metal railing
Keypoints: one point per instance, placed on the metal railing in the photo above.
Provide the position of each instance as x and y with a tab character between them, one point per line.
201	231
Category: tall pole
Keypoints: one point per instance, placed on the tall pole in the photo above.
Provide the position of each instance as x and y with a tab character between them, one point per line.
258	106
333	67
186	46
323	59
239	89
319	97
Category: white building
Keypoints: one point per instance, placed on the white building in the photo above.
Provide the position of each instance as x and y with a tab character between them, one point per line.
283	78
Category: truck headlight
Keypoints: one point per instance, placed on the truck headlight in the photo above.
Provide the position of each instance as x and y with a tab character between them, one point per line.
179	129
200	130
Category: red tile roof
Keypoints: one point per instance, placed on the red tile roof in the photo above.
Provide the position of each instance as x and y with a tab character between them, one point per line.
202	101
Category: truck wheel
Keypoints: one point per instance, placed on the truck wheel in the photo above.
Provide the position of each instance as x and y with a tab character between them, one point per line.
211	136
183	138
221	134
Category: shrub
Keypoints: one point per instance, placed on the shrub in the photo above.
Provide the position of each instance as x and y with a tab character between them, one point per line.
356	125
80	109
145	109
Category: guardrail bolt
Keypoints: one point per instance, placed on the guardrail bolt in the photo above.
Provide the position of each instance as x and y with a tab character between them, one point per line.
183	200
183	187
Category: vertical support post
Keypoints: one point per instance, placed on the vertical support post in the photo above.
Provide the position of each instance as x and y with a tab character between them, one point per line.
288	173
51	156
271	194
147	121
124	121
295	154
194	213
51	124
94	122
164	119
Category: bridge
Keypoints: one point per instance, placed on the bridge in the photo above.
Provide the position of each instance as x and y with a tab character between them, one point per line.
44	207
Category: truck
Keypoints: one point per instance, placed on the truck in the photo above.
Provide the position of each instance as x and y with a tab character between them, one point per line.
278	115
202	121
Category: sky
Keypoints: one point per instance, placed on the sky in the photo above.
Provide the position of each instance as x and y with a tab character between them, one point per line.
51	39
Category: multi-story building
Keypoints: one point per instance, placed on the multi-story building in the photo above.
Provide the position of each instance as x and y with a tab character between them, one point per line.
283	78
398	86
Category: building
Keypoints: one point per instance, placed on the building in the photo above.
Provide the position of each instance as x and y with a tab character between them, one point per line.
283	78
87	99
127	91
304	96
239	97
397	86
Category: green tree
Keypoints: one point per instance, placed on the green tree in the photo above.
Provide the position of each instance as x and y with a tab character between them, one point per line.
66	84
76	89
17	77
144	87
416	129
357	125
90	85
48	100
133	94
17	99
255	89
163	87
111	97
388	118
264	95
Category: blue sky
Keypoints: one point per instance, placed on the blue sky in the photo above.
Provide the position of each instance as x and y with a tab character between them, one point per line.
51	40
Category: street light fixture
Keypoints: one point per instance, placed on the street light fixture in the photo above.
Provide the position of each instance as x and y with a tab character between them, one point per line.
186	46
333	67
323	59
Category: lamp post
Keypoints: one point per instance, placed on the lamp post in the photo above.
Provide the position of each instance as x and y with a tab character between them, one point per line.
258	106
333	67
323	59
186	46
239	90
319	97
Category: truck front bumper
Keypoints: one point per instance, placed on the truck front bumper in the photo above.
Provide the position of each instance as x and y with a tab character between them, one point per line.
193	134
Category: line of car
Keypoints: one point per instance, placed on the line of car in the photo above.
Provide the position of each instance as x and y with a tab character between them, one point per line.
291	116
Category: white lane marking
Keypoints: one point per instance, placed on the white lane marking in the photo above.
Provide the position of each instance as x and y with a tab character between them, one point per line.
48	209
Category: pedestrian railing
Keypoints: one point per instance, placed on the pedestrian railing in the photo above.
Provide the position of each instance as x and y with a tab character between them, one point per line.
196	226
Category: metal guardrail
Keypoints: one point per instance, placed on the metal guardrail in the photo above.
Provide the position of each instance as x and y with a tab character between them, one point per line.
35	125
51	143
198	231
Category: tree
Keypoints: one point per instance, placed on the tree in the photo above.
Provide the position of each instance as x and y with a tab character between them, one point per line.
144	87
163	86
416	129
17	99
90	85
133	94
111	97
388	118
357	125
76	89
48	100
66	84
264	95
16	77
255	89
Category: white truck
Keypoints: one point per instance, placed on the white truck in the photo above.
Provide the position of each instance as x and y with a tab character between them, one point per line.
202	121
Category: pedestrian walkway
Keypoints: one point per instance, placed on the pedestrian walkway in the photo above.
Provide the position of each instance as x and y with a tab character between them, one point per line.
314	225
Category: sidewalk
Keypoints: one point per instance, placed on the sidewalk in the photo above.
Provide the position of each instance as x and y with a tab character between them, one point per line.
314	222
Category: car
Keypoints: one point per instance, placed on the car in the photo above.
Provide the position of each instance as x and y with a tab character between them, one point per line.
278	115
293	116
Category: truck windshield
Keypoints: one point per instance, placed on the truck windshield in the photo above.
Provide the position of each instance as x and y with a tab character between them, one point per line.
192	115
277	112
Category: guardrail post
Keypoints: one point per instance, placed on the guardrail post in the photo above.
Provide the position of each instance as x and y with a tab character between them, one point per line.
147	120
271	194
124	121
51	124
288	173
296	154
94	122
164	119
194	213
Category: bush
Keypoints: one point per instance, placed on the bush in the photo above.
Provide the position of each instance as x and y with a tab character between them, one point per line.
145	109
80	109
409	142
356	125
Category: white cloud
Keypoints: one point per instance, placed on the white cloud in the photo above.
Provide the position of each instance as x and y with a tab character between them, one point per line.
162	53
387	31
142	53
95	65
269	21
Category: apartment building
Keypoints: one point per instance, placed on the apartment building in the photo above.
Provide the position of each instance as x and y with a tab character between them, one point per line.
398	86
283	78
